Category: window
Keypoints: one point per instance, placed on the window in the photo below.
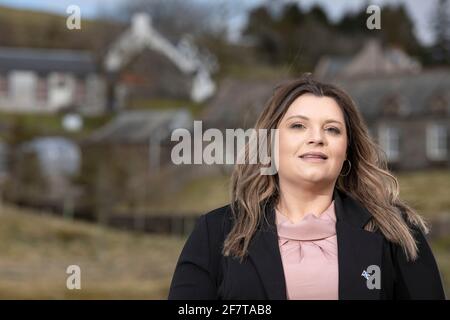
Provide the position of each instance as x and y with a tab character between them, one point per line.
394	105
438	105
389	141
436	141
22	89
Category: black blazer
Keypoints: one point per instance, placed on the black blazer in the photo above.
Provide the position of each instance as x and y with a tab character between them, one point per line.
202	272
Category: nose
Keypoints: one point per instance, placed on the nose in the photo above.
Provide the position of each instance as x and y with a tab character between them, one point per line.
315	136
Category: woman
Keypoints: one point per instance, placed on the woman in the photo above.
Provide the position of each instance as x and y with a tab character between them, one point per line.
328	225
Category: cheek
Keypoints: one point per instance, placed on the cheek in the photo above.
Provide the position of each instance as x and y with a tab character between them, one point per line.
288	147
289	142
339	150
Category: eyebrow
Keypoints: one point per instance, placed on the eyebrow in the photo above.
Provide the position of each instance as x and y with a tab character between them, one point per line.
306	118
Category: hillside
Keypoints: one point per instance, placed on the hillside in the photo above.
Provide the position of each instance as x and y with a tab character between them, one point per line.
35	29
35	251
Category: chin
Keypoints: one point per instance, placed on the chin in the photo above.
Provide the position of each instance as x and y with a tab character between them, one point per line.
313	175
313	179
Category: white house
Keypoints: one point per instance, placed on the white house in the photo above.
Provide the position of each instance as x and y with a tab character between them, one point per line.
49	80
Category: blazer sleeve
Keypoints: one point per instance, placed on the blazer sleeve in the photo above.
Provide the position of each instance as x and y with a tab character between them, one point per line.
419	279
193	278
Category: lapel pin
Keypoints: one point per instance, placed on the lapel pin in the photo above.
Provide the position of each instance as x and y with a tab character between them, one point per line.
365	275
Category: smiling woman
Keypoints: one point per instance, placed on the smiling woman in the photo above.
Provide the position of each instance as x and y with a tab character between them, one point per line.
313	149
329	225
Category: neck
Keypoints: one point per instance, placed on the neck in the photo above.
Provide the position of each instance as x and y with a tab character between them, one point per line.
298	200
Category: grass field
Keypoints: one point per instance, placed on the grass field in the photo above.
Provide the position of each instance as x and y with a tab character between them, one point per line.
35	251
426	191
35	125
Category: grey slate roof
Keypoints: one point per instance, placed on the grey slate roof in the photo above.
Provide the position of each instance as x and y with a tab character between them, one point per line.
44	61
415	91
140	126
371	60
239	100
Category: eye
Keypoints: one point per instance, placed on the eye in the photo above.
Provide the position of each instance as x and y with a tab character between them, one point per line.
297	126
334	130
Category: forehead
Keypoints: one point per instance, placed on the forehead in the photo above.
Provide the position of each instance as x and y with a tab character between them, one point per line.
315	107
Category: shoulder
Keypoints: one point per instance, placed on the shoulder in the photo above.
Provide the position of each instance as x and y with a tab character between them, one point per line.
218	219
208	232
214	224
219	213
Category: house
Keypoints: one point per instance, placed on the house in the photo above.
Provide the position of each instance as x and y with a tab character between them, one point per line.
409	116
406	107
238	102
128	161
371	60
148	132
49	80
138	56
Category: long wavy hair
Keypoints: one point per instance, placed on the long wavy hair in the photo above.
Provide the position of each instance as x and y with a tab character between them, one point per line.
369	180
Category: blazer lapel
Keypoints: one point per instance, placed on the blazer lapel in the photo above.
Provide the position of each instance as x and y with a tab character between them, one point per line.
357	250
265	254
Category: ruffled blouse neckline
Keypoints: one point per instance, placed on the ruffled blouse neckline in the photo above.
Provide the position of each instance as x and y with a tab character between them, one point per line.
311	227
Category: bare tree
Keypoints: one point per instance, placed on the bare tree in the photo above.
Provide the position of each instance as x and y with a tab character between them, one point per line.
175	17
441	24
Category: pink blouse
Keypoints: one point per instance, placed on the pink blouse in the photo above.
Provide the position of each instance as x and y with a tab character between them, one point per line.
309	255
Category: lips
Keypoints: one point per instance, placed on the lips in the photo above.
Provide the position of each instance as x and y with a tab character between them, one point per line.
314	155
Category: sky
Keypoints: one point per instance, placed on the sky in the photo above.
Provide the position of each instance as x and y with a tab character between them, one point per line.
419	10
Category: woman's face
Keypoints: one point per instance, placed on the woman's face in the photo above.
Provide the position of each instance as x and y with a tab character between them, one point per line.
312	124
